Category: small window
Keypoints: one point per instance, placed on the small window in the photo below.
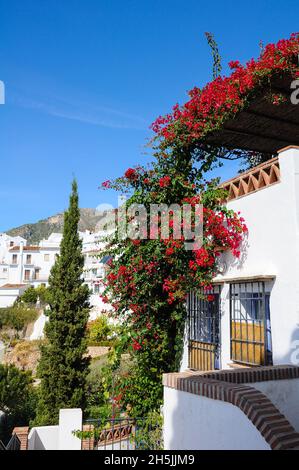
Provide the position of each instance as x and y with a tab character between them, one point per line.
96	289
14	259
11	243
36	274
250	323
28	259
27	274
47	257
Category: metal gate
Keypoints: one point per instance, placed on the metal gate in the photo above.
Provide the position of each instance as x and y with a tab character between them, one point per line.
204	329
250	323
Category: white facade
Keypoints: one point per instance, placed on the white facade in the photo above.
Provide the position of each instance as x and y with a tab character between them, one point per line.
95	268
6	243
193	422
58	437
22	265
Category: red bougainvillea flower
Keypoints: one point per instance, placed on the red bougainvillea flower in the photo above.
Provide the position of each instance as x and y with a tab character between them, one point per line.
136	345
164	181
131	174
210	298
225	96
106	184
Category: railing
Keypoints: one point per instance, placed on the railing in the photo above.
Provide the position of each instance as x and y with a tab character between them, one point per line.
2	446
121	434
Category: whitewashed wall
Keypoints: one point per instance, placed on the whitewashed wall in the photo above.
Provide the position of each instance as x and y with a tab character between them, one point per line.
43	438
284	394
58	437
192	422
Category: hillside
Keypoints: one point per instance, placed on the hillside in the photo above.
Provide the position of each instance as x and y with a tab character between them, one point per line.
35	232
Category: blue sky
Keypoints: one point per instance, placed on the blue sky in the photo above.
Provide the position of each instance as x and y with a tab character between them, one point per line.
85	78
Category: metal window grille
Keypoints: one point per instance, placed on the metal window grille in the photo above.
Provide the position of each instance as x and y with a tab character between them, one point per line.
250	323
204	329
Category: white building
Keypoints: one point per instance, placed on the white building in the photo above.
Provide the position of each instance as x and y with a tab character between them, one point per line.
7	242
249	331
95	268
254	319
23	265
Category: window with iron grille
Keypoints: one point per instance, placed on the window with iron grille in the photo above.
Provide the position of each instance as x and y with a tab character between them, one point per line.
250	323
204	329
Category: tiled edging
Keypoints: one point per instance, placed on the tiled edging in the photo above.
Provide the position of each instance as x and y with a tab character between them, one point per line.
228	386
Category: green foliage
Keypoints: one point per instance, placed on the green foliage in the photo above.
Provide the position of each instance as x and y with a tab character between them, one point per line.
141	392
17	317
105	374
149	277
63	366
98	383
149	432
99	330
32	294
17	399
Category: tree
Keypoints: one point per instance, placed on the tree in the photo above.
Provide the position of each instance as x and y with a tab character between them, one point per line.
17	399
150	276
15	318
63	365
33	294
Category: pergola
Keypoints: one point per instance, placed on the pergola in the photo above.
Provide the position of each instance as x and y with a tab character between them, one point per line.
262	126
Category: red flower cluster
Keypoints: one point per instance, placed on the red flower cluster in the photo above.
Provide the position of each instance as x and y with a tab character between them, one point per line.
173	287
225	96
202	259
106	184
164	181
136	345
131	174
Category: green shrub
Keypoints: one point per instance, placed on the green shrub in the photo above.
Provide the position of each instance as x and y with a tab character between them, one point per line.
149	432
17	317
32	294
99	330
17	399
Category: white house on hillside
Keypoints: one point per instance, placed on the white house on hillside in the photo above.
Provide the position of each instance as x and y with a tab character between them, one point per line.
23	265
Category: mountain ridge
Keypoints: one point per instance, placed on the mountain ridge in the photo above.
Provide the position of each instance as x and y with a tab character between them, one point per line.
36	231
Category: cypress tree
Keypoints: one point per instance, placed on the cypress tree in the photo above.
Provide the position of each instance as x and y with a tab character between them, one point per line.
63	366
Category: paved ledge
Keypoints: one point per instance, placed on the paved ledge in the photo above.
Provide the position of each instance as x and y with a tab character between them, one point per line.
240	375
229	386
